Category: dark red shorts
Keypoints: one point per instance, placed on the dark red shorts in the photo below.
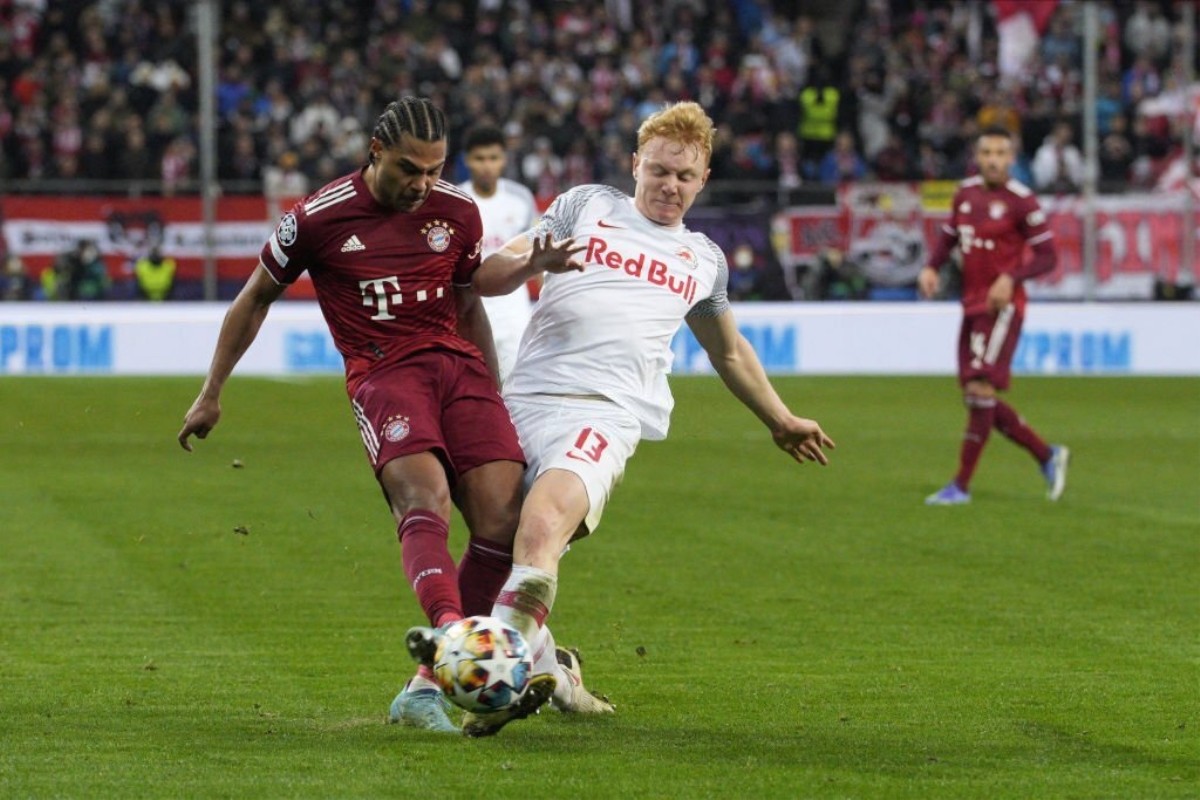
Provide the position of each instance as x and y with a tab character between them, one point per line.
986	344
435	401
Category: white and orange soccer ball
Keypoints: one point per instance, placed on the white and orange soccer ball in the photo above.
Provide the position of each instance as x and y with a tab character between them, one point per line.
483	664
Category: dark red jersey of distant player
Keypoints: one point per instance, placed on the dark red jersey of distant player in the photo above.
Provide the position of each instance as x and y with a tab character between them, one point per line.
384	279
993	226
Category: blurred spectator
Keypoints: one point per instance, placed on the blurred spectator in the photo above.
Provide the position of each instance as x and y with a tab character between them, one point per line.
56	279
785	163
1058	164
892	163
1140	81
745	274
15	281
136	162
1022	166
819	105
997	110
1147	32
875	99
931	164
285	180
177	162
77	274
837	278
542	170
155	275
1116	153
90	280
1061	42
842	163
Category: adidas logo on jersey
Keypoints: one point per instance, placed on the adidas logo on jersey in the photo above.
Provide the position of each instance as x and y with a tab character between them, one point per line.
352	244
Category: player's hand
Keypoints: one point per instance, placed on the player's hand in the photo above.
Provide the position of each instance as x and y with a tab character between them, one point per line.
555	257
927	282
803	440
1000	293
201	418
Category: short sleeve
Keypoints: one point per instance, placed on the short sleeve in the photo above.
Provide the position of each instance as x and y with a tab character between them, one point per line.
470	259
287	252
717	302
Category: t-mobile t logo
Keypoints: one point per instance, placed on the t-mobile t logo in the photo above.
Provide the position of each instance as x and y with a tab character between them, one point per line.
383	293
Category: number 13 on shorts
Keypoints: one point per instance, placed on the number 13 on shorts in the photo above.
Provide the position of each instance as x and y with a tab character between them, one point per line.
589	446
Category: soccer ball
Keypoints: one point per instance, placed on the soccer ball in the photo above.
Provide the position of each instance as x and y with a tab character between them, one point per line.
483	664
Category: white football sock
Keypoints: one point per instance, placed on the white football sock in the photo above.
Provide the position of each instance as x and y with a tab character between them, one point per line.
526	600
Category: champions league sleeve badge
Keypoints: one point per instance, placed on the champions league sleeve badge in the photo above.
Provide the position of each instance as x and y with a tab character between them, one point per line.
286	231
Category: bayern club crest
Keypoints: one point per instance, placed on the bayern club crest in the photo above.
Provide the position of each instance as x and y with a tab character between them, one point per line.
996	209
437	235
396	428
286	232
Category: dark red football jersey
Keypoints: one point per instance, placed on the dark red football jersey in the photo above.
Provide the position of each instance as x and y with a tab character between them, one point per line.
384	279
993	227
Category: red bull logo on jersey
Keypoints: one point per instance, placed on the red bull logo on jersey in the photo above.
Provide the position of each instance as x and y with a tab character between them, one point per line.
655	272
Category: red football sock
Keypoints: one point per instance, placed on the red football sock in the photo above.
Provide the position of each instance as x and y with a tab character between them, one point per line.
481	574
1010	423
428	565
981	413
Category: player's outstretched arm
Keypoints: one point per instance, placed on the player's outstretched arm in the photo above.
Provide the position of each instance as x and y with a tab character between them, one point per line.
520	260
242	322
738	365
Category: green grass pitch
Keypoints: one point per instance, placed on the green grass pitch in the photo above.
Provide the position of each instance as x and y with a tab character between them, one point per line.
172	626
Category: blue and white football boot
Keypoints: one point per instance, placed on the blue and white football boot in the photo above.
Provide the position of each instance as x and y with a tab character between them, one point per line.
948	495
1055	471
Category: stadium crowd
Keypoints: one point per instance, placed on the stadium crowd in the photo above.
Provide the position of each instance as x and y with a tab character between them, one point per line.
107	90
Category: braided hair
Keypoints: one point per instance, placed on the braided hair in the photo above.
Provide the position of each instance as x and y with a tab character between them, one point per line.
416	116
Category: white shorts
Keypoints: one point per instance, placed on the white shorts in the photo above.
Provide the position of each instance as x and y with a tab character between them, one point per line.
589	438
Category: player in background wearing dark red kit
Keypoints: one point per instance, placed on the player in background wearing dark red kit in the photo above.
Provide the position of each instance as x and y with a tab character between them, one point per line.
992	220
391	250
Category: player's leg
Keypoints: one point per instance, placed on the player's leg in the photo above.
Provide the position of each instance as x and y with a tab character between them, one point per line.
985	348
1053	460
398	414
576	451
1013	426
419	496
553	510
483	446
489	497
415	486
979	397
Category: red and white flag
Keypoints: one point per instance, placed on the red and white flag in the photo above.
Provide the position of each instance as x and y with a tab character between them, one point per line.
1020	24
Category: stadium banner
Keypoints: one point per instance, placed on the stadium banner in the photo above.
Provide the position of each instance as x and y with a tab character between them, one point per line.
39	228
1139	236
790	338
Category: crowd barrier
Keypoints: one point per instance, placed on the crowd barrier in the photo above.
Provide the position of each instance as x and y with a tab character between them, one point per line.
790	338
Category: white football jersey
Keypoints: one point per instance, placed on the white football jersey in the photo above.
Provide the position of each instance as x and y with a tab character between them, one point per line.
607	330
509	211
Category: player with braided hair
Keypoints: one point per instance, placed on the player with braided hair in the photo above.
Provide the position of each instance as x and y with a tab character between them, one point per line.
391	249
